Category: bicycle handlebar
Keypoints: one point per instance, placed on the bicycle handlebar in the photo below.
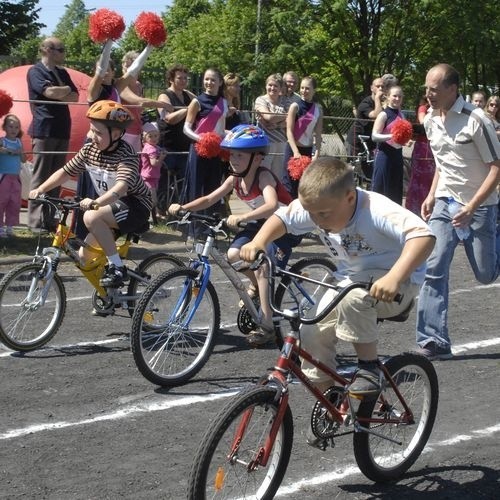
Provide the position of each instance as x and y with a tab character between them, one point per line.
213	220
342	291
62	203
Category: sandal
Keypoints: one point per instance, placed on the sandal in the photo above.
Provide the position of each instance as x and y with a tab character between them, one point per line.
253	293
260	337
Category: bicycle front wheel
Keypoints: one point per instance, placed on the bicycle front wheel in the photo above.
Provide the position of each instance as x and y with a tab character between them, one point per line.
150	267
395	447
228	463
31	307
293	293
174	327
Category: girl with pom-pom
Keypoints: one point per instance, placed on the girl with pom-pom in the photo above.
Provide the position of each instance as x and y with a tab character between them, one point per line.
262	192
304	125
106	26
205	122
388	166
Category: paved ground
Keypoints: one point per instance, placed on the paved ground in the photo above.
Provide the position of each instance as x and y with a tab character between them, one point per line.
78	421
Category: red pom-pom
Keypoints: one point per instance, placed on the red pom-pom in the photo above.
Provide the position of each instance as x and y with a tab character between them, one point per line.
5	102
104	25
296	166
150	28
209	145
225	154
402	131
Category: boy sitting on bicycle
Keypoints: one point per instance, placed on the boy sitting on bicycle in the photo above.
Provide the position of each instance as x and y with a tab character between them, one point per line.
123	202
259	188
368	236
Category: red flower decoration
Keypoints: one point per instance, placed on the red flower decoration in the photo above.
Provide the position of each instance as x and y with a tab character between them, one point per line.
150	28
104	25
296	166
5	102
402	131
209	145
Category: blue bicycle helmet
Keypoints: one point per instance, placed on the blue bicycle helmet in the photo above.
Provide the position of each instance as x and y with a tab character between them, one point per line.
247	138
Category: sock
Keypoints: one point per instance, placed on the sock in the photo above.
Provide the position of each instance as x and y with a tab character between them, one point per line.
115	260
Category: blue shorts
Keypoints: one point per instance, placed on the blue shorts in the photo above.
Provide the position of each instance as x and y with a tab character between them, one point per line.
280	250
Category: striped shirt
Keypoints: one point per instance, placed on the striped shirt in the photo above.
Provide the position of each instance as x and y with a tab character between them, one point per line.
106	168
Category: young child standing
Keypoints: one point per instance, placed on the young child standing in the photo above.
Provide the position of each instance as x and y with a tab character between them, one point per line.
152	157
368	237
259	188
11	157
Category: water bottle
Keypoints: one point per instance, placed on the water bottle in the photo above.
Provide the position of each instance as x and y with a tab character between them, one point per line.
453	208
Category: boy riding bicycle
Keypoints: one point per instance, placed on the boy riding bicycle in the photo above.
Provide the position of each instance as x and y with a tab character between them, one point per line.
368	236
123	202
259	188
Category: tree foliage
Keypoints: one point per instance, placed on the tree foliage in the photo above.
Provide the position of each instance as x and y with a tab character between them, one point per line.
18	22
343	43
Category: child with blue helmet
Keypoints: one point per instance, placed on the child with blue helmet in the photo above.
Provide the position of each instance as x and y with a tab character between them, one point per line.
259	188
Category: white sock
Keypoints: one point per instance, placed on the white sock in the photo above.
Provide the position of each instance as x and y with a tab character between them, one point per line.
115	260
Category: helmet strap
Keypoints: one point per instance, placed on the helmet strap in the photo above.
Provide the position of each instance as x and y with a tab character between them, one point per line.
112	141
245	172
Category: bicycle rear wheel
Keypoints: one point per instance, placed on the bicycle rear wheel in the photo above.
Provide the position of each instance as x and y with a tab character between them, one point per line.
174	327
378	458
227	463
293	293
150	267
25	322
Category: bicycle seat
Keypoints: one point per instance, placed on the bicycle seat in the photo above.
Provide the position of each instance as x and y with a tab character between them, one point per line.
402	316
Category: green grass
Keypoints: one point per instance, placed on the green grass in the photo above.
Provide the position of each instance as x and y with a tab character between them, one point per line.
24	242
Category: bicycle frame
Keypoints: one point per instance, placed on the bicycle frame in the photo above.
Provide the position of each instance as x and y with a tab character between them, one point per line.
208	251
281	376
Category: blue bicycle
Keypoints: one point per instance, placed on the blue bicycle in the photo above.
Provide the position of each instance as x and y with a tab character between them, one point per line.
176	321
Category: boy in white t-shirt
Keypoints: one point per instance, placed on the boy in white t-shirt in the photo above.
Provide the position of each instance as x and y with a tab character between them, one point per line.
368	236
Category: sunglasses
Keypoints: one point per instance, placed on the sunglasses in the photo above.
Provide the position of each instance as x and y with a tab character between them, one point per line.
58	49
493	104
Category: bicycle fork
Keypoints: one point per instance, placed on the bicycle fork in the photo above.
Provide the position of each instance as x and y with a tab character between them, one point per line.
36	298
262	454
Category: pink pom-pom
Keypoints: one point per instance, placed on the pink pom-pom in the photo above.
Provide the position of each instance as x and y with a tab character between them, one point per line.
150	28
296	166
5	102
104	25
402	131
209	145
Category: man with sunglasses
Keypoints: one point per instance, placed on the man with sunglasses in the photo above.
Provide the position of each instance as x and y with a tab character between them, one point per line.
50	128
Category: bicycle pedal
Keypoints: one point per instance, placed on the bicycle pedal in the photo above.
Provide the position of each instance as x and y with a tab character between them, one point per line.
320	444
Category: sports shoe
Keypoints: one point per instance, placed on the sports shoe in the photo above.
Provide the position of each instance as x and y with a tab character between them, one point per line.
432	351
260	337
10	231
113	276
3	234
366	383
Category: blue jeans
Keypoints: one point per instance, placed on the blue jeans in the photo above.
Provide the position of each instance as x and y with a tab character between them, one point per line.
483	253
